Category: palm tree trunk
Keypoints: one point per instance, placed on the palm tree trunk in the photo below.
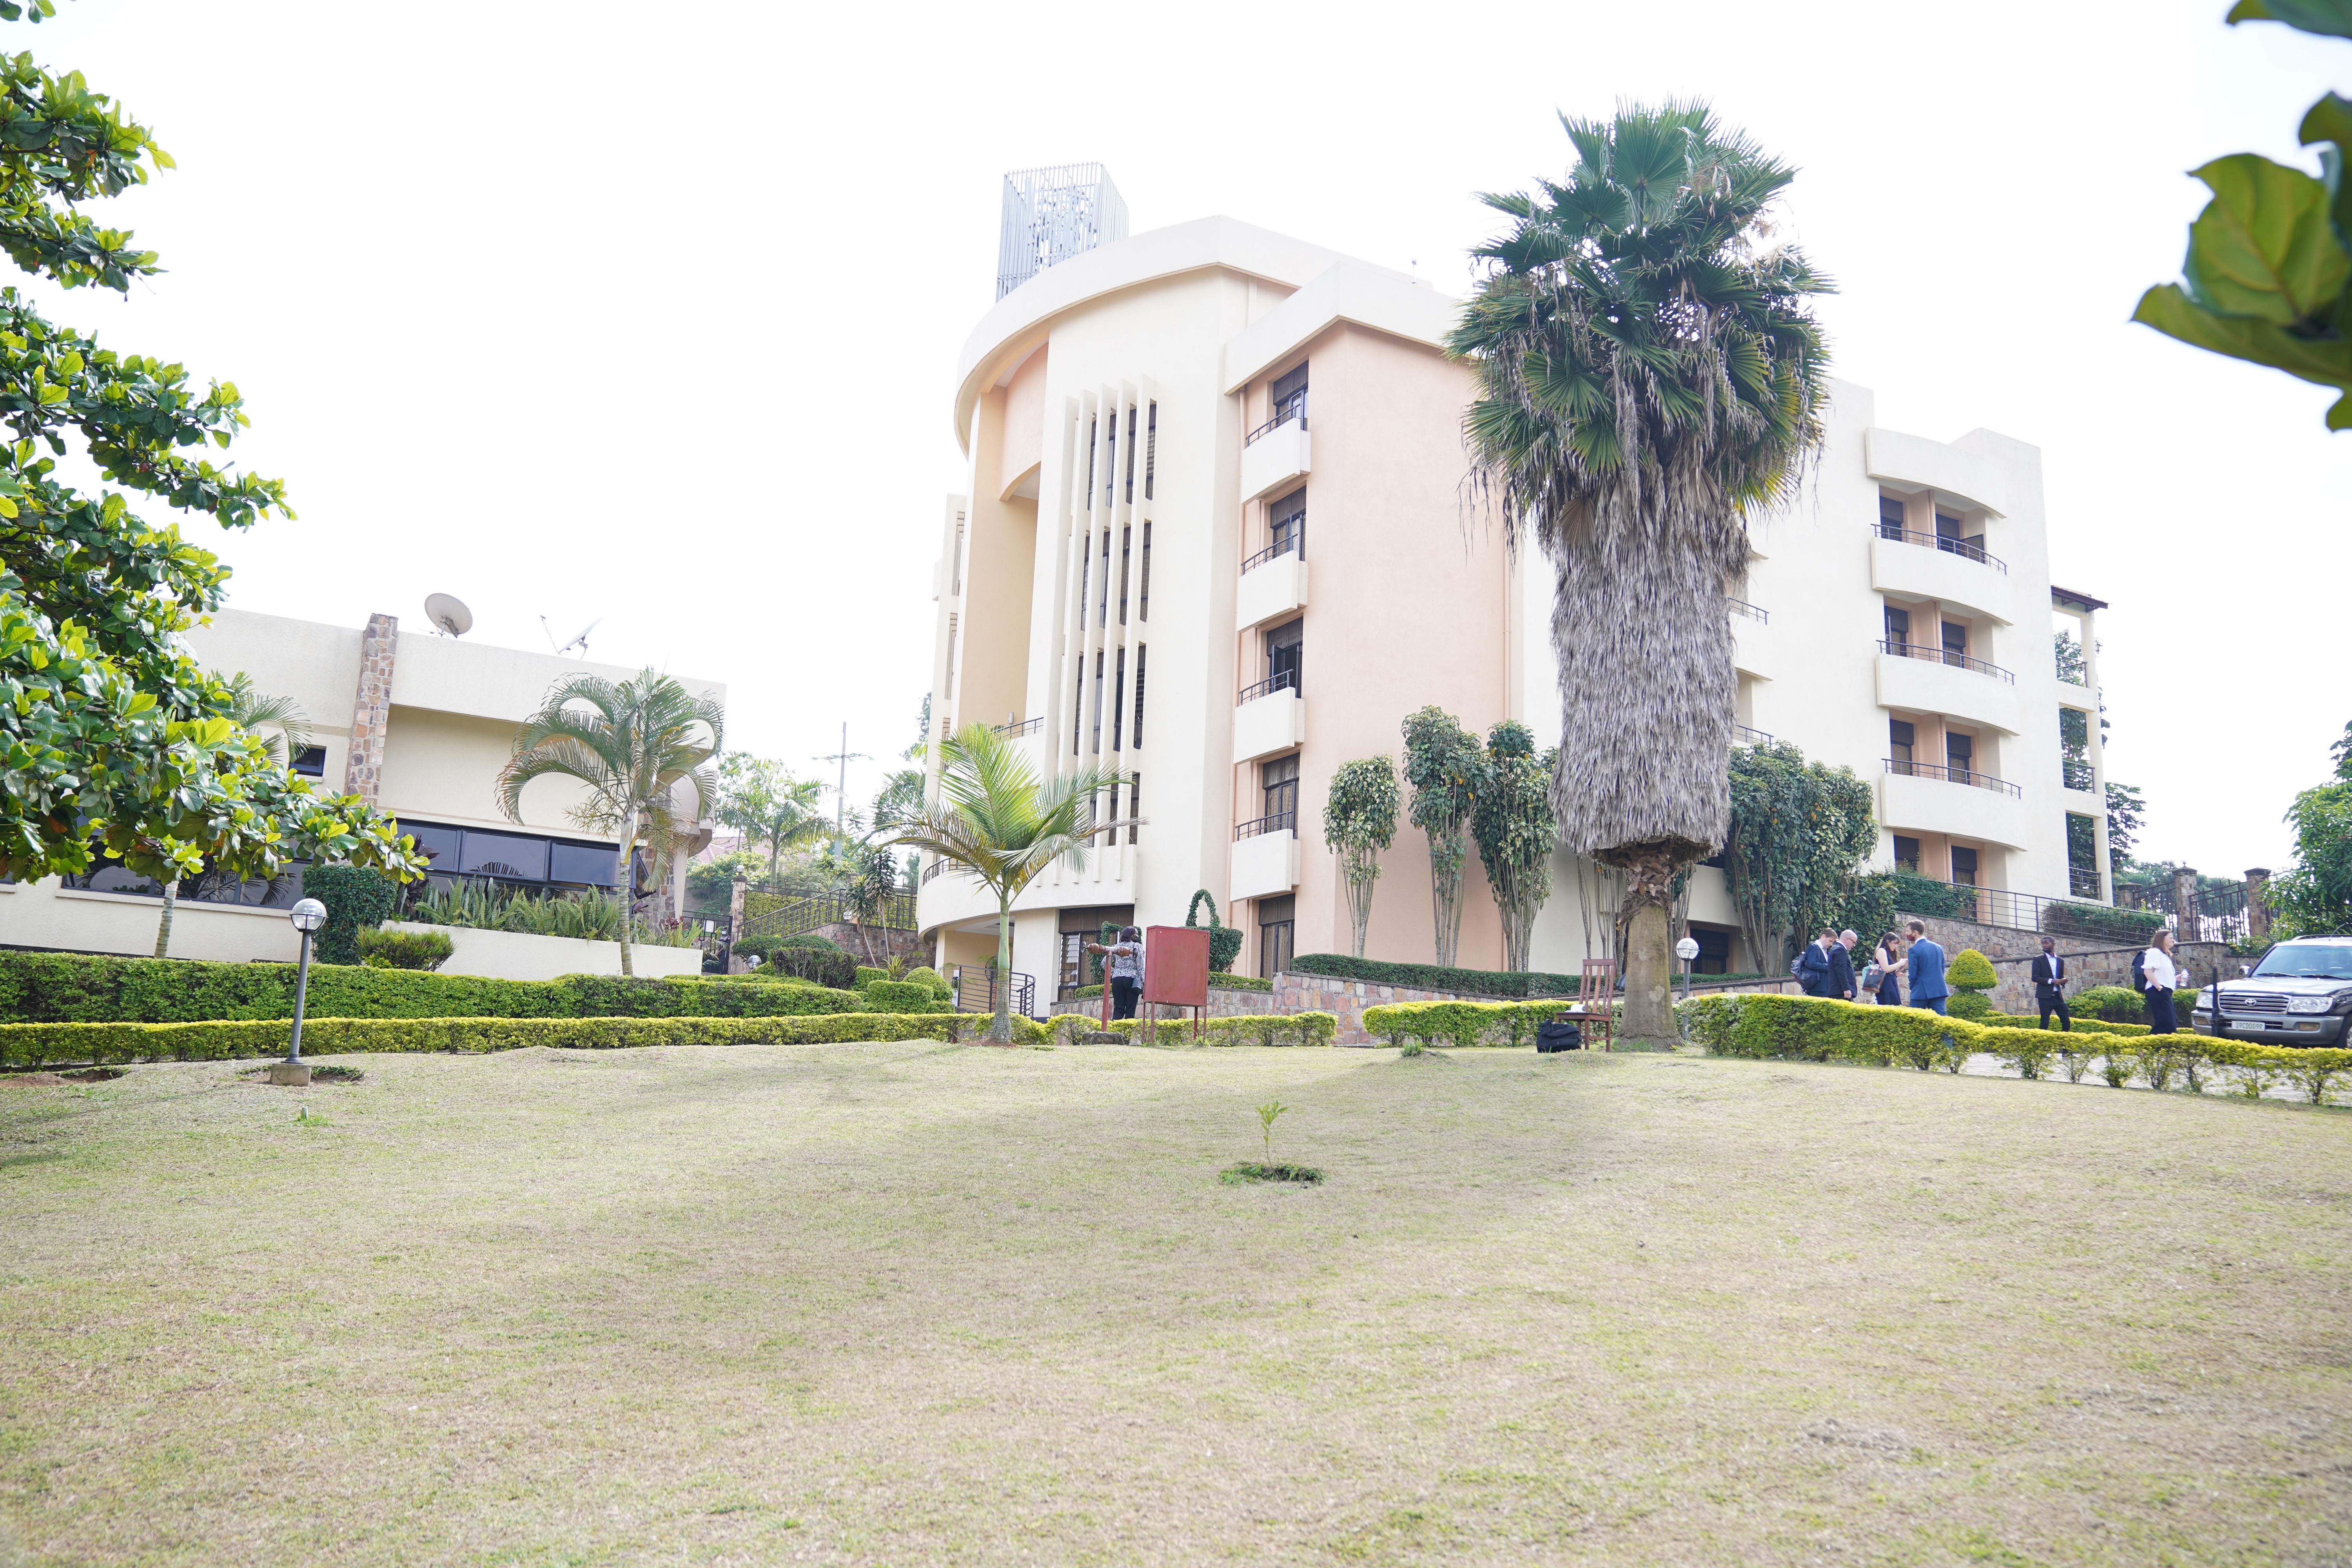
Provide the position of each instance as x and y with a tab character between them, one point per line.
627	887
1649	964
163	926
1000	1031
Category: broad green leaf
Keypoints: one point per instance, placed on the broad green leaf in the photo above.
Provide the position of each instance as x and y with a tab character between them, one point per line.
2330	19
2263	247
2168	309
2330	121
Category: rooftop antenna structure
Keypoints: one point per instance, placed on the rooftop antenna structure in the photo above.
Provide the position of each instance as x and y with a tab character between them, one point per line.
579	643
1052	214
841	791
448	613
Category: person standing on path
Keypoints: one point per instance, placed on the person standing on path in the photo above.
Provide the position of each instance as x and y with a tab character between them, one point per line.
1843	984
2162	977
1926	967
1126	970
1887	959
1814	965
2050	985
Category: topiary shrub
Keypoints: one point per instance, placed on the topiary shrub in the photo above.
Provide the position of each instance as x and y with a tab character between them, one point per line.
1224	940
810	941
900	996
930	980
1970	978
427	950
355	897
826	965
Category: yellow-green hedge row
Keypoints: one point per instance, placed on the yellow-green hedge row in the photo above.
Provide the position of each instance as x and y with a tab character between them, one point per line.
1807	1029
35	1045
1459	1024
1310	1028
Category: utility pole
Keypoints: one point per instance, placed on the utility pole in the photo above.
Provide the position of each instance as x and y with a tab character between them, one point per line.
841	791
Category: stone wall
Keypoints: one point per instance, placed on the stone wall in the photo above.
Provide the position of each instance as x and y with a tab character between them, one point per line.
2091	959
1305	994
372	708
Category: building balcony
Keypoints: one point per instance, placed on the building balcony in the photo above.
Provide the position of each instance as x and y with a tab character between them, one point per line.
1924	798
1950	570
1754	647
1923	679
1278	455
1270	718
1273	584
1265	856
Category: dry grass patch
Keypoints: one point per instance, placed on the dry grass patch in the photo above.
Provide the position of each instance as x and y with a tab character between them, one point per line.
919	1303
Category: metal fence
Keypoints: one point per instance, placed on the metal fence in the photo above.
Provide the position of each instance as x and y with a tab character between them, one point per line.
1052	214
975	986
769	915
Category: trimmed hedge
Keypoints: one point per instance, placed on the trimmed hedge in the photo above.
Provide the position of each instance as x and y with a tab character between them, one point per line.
902	997
1807	1029
36	1045
1216	983
1436	977
1311	1029
1459	1024
68	987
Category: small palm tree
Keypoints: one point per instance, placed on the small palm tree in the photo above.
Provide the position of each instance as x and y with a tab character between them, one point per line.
1649	377
996	823
631	743
759	799
248	709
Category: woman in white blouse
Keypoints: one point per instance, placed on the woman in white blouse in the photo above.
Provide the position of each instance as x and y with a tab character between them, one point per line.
2162	977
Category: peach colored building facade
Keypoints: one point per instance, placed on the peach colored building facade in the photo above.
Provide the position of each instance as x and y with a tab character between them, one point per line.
1214	534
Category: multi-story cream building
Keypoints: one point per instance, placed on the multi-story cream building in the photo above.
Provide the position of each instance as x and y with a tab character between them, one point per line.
1215	532
417	724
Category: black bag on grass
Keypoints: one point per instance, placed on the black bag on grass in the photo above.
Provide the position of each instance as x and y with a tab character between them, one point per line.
1558	1035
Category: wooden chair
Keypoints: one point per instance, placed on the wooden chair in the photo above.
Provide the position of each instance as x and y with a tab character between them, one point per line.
1600	978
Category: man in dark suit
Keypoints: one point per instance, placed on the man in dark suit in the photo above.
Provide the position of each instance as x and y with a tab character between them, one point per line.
1926	963
1842	982
1814	965
2050	985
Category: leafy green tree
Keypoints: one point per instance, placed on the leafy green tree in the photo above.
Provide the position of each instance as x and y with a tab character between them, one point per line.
2271	256
631	744
1359	819
1516	834
2126	812
1445	766
250	710
1001	827
111	740
1649	377
760	798
2316	895
1800	831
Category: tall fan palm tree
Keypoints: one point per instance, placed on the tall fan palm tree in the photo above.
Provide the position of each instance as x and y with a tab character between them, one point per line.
1650	378
248	709
999	824
631	743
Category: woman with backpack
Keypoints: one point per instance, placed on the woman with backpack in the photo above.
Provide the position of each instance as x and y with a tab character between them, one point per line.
2156	978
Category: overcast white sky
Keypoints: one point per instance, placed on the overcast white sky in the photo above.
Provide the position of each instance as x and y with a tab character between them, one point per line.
648	314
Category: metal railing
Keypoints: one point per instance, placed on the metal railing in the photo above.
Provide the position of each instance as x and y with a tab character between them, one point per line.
1021	727
1949	546
792	917
1293	408
2084	882
2076	774
2029	912
1280	822
1742	608
975	986
1935	654
933	870
1285	680
1279	548
1954	776
1741	735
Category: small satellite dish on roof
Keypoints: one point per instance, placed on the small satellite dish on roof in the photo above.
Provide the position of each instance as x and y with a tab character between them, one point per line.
449	613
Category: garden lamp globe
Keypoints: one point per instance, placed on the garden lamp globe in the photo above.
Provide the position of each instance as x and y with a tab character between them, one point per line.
1686	950
309	916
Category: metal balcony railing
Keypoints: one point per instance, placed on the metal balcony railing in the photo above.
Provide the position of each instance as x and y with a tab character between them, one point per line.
1280	822
1021	727
1297	540
1741	735
1284	680
2077	773
1949	546
2084	881
1292	408
1742	608
1954	776
792	917
933	870
1934	655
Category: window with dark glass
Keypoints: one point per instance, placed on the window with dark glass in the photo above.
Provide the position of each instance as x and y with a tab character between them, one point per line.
1964	866
437	845
1137	734
1118	701
1900	736
508	854
1898	627
1151	461
1948	526
1289	396
1277	779
1906	853
1960	753
1956	641
310	762
1286	522
1714	950
591	863
1278	924
1282	654
543	862
1890	517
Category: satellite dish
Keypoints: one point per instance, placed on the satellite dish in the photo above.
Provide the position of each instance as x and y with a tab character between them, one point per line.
449	613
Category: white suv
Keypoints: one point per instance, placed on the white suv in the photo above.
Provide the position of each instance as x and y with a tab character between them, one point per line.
2299	994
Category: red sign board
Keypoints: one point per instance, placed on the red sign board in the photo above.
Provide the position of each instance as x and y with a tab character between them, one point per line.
1176	965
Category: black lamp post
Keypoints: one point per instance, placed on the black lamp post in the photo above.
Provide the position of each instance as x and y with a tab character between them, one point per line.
308	917
1686	950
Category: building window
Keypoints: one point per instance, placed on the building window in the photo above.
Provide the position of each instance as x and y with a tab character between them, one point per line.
1140	649
1964	866
1102	606
2083	855
310	762
1126	548
1077	926
541	864
1282	656
1151	461
952	655
1278	924
1955	642
1714	950
1118	701
1287	523
1960	755
1289	399
1277	779
1906	854
1900	735
1097	747
1129	483
955	564
1143	578
1948	526
1899	629
1134	805
1890	517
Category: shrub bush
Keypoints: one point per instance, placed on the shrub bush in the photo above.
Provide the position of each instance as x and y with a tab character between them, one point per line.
1437	977
809	942
833	969
1459	1024
930	980
427	950
1310	1028
1216	983
901	996
66	987
355	897
1929	899
2101	920
35	1045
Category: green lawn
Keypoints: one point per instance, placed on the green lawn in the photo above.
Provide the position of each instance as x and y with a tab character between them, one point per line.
919	1303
